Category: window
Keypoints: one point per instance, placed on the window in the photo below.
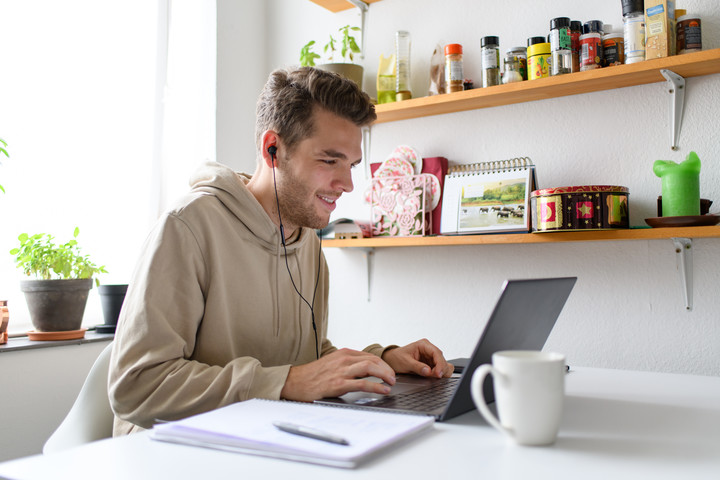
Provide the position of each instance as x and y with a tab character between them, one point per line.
106	106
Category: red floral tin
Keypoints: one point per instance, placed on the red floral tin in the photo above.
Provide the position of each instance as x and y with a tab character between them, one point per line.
589	207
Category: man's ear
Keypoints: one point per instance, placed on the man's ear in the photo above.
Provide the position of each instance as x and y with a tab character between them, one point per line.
269	146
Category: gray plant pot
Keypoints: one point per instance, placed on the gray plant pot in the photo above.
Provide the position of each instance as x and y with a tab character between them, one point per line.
56	305
111	299
348	70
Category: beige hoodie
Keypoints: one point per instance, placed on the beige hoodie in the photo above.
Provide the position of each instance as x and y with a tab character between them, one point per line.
211	316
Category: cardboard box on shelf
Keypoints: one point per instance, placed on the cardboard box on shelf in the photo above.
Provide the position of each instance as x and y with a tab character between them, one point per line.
659	28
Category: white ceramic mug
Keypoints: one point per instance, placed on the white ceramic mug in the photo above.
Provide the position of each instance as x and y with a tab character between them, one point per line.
529	391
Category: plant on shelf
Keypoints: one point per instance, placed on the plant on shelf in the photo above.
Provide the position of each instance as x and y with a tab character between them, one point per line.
63	278
348	49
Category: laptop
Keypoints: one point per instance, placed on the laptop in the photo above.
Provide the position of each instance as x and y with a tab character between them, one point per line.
522	319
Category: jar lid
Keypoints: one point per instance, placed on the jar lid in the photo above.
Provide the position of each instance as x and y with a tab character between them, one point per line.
535	40
518	50
679	12
453	48
538	49
576	25
688	17
485	41
559	22
632	6
593	26
612	35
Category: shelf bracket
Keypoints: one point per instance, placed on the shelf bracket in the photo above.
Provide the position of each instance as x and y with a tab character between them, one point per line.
676	89
363	7
369	258
683	250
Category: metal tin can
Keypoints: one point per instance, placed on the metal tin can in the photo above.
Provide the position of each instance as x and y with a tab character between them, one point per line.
538	60
589	207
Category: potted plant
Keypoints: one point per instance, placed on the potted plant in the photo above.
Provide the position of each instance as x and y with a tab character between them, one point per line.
57	296
348	49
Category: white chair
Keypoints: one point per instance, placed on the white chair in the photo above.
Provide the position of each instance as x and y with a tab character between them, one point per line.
90	417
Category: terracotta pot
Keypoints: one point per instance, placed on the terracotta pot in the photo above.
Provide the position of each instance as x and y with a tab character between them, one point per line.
56	305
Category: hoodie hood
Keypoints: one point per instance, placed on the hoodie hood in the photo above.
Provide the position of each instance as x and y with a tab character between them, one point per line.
229	187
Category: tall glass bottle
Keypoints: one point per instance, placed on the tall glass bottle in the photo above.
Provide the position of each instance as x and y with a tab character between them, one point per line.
402	57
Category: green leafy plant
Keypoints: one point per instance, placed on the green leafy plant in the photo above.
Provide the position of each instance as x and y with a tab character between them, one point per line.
2	149
348	48
307	56
40	256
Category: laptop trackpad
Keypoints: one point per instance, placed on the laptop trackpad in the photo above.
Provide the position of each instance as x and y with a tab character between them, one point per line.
403	384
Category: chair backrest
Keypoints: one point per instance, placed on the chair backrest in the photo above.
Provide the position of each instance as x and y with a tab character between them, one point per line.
90	417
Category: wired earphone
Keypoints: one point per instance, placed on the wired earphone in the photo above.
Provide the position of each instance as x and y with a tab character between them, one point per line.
272	150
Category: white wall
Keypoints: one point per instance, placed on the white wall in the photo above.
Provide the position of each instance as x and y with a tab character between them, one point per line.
38	388
627	310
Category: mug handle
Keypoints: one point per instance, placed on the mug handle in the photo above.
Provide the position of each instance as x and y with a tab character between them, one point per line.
476	390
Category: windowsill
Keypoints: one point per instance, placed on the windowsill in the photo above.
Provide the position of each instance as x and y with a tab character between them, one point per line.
24	343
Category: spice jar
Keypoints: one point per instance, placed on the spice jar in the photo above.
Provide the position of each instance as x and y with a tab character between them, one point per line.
575	32
453	68
511	73
634	30
591	45
538	57
689	34
521	54
613	49
490	51
560	48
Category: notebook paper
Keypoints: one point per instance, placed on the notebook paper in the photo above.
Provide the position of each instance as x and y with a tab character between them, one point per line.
247	427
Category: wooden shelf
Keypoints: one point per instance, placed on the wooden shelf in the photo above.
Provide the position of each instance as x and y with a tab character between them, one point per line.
338	5
688	65
518	238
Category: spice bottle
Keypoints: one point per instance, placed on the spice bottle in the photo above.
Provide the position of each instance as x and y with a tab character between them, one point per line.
538	57
613	49
490	50
689	34
634	30
591	45
511	73
453	68
560	47
521	54
402	72
575	32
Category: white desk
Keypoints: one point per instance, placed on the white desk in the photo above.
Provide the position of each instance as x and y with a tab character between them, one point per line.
617	425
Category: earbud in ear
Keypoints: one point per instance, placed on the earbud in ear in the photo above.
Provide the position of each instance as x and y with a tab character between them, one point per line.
272	150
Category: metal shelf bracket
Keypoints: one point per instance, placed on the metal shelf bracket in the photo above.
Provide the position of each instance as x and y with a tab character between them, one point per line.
369	258
363	7
676	89
683	250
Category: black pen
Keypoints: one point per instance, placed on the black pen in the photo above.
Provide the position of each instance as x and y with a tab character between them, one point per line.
310	433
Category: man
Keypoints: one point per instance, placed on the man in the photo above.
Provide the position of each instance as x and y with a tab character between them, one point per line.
229	300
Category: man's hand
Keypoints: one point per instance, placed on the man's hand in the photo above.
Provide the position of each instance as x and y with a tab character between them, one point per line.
337	374
421	357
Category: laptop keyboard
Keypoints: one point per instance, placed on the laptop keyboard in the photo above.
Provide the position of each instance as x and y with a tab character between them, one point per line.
436	395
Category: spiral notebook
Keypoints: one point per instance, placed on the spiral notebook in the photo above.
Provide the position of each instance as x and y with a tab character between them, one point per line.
488	197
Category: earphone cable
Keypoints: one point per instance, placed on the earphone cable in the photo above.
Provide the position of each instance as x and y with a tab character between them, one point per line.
287	266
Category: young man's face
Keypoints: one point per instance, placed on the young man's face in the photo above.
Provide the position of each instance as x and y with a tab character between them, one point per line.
318	171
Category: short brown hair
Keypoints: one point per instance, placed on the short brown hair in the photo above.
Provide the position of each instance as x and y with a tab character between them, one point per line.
287	102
